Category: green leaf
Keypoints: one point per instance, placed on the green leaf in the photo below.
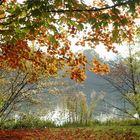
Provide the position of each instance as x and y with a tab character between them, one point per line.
92	21
71	22
18	30
115	35
52	39
105	16
80	27
36	13
124	21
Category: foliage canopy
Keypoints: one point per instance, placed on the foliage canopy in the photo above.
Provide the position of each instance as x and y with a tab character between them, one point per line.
25	28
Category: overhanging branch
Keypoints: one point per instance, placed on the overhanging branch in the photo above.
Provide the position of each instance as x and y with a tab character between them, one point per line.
93	9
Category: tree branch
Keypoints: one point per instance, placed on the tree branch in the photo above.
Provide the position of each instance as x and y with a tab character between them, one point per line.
120	109
93	9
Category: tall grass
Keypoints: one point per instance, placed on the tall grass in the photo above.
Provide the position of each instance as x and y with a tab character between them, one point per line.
27	123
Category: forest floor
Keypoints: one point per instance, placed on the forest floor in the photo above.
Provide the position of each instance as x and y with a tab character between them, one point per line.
85	133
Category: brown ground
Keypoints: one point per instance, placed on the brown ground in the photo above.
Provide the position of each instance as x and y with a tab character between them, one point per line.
64	134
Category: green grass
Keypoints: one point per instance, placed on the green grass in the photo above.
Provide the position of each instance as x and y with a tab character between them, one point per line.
113	126
116	126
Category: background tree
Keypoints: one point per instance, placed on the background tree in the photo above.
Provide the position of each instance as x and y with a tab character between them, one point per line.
79	109
125	78
15	90
20	93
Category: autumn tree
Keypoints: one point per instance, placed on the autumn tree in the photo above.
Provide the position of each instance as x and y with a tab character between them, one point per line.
51	24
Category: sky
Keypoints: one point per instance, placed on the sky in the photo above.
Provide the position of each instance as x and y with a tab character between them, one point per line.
101	50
